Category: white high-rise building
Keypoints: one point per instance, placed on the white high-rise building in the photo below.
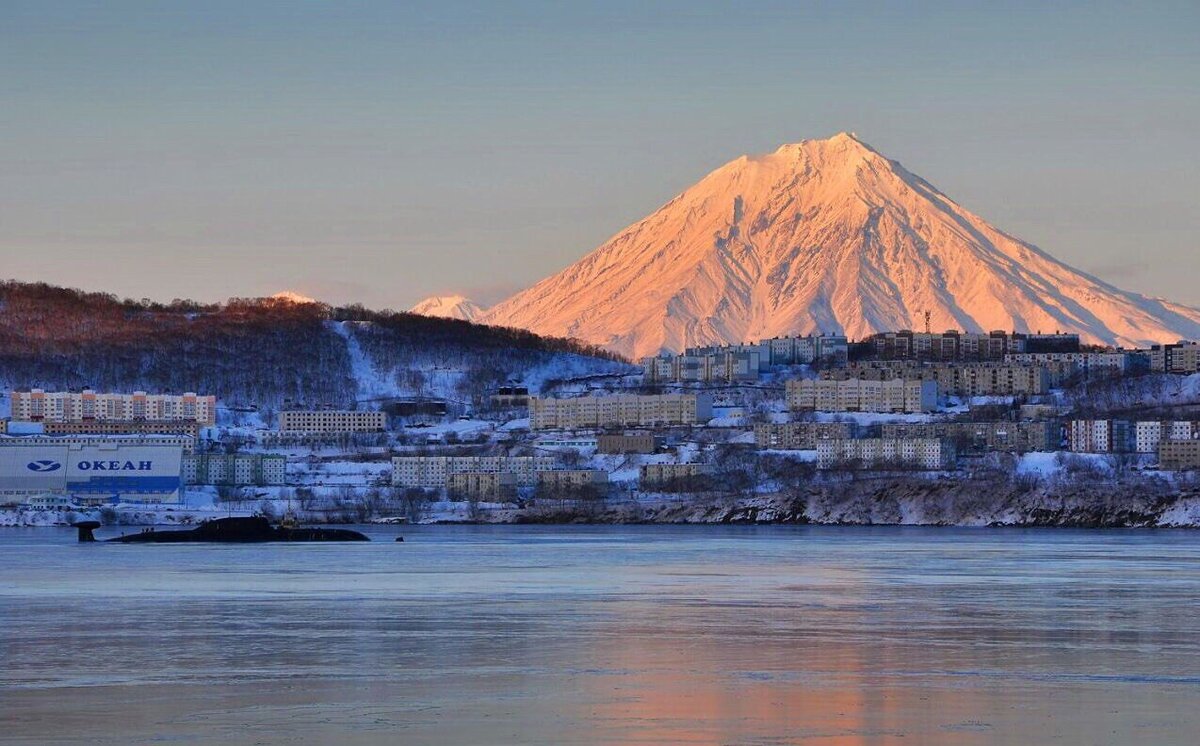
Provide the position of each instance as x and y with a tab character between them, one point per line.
37	405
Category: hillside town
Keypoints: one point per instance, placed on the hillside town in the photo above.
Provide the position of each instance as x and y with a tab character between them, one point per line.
735	421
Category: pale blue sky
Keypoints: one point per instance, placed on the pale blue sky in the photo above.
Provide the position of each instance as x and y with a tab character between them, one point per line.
381	152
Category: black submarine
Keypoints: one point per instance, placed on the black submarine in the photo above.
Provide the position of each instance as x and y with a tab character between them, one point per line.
226	531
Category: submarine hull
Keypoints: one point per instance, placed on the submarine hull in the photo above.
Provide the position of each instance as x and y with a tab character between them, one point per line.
240	531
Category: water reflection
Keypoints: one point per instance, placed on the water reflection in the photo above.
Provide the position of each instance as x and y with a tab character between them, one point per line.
618	636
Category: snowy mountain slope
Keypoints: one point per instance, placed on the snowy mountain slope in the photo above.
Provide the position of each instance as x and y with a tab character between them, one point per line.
449	307
823	235
266	353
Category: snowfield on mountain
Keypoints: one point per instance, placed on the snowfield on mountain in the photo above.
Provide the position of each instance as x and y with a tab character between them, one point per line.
823	236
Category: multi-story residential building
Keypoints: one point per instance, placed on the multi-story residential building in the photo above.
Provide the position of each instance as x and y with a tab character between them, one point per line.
742	362
332	421
955	345
626	443
1182	358
482	485
1100	436
433	472
619	410
570	479
798	436
1149	433
510	397
658	475
186	428
921	453
1013	437
37	405
857	395
1179	454
1089	364
955	379
235	469
829	349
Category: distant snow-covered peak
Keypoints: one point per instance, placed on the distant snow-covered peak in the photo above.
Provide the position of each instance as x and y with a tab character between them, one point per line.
449	307
293	297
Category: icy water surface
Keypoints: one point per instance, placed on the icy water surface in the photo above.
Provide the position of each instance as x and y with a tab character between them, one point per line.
607	635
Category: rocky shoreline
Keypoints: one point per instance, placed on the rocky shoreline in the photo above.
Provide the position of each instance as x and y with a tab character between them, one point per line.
908	502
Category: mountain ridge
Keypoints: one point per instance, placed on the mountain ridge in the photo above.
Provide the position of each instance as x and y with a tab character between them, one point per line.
823	235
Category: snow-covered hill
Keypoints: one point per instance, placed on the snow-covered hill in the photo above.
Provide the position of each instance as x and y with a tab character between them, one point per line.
449	307
823	235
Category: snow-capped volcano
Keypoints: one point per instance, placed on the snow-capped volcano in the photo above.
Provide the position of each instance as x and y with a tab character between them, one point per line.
449	307
823	235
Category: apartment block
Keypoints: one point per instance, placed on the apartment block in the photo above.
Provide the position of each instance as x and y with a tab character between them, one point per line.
1090	364
798	436
857	395
332	421
510	397
238	469
1179	454
1149	433
186	428
433	472
626	443
619	410
37	405
1182	358
482	485
571	479
1100	436
955	379
955	345
921	453
658	475
1010	437
742	362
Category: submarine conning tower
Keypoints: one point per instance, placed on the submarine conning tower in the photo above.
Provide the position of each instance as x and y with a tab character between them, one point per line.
85	530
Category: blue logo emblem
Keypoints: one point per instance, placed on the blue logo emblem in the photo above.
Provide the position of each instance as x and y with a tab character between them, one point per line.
44	465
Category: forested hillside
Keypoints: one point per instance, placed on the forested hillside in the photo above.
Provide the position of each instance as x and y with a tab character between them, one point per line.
258	351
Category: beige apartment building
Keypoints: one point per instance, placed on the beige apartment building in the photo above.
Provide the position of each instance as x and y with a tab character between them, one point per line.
617	443
1010	437
798	436
37	405
859	395
482	485
1179	454
332	421
657	475
875	453
1182	358
619	410
433	472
